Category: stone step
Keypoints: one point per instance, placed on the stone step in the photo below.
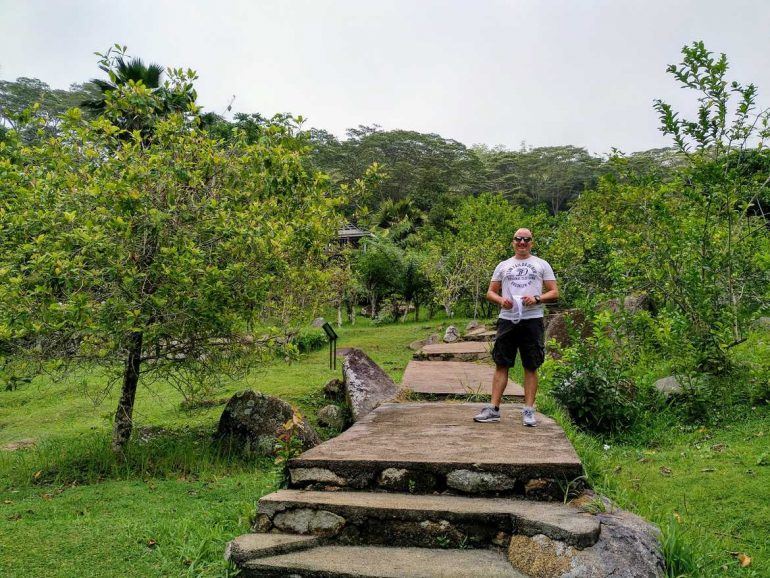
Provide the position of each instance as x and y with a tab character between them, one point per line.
487	335
454	379
372	561
250	546
424	447
459	351
423	520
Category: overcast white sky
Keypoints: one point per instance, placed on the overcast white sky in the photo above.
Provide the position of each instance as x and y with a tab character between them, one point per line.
548	72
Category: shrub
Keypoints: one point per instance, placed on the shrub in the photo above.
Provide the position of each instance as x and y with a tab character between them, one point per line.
594	388
309	339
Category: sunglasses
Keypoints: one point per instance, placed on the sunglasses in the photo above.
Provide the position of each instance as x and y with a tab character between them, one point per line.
522	239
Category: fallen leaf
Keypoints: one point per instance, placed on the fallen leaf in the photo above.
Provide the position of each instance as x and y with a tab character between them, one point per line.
37	474
718	448
677	517
744	560
665	471
151	543
643	460
617	469
47	496
7	502
705	470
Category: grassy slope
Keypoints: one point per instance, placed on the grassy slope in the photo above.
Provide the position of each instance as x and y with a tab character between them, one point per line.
176	522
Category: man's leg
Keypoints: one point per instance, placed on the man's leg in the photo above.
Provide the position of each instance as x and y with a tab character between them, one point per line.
530	386
499	382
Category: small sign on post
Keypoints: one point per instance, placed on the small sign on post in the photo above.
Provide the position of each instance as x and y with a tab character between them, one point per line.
332	335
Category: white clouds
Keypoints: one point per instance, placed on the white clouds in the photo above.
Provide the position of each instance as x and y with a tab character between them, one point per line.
556	72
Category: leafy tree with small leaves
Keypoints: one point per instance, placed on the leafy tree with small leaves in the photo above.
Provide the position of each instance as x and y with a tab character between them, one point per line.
150	252
715	279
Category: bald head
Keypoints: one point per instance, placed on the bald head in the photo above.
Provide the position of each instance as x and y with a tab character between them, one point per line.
522	243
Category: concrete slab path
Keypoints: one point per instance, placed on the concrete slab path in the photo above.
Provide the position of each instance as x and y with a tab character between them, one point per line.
454	378
486	335
460	351
438	438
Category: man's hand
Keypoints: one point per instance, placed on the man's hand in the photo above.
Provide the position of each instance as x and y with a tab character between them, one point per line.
527	300
506	304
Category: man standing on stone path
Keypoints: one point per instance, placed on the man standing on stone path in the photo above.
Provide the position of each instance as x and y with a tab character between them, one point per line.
520	285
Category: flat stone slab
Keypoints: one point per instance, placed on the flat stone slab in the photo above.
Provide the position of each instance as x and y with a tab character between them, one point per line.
486	335
374	561
453	378
554	520
459	351
441	439
250	546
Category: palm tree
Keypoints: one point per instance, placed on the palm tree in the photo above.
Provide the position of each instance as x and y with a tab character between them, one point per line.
124	71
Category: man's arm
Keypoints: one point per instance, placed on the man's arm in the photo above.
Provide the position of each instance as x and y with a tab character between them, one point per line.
494	295
550	295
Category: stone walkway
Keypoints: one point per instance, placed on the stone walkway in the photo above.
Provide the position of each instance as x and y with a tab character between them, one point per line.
459	351
455	379
420	489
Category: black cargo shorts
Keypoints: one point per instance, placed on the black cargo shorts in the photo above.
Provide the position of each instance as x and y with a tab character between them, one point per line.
527	337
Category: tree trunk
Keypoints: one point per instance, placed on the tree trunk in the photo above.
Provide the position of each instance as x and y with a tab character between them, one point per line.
123	417
350	307
416	310
339	315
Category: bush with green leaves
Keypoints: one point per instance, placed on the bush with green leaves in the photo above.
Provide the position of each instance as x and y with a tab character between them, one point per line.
594	386
309	339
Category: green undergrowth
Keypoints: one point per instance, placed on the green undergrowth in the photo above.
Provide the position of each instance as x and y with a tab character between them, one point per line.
704	482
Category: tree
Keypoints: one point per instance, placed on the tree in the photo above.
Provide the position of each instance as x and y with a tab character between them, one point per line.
716	283
379	270
149	253
125	74
415	285
28	99
425	169
552	176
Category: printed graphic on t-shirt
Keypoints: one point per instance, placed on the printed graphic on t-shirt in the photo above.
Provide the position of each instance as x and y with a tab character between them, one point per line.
521	276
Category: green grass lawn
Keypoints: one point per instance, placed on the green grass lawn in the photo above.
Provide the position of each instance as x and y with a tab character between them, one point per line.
67	509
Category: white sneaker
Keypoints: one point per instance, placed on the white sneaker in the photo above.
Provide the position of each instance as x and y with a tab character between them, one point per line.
528	416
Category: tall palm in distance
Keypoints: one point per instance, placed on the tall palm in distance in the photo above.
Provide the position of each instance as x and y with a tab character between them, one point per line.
126	70
156	96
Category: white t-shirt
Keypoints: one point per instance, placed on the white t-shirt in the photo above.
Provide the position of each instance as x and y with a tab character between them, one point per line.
522	277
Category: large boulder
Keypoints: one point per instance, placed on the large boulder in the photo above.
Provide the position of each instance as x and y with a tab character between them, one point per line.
565	322
628	547
332	416
255	420
638	302
668	386
366	384
334	389
318	322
